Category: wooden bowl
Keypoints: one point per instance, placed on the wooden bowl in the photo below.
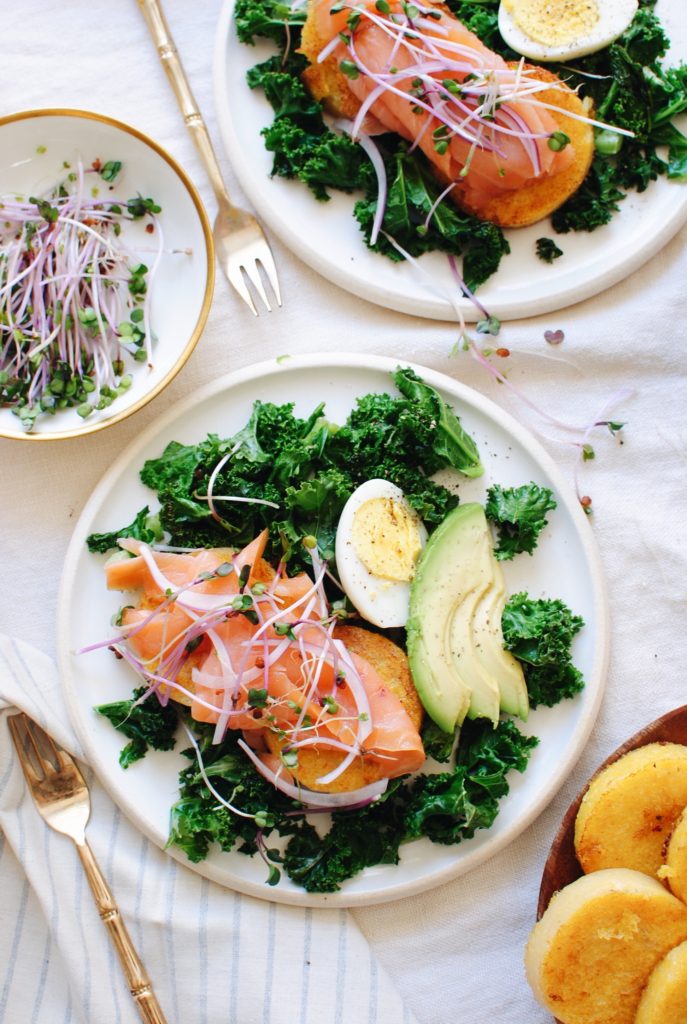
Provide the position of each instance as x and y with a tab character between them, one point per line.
561	866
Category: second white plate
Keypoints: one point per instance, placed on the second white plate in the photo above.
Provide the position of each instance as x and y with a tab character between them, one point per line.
327	238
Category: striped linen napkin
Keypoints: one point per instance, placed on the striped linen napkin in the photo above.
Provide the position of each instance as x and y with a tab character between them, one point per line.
212	955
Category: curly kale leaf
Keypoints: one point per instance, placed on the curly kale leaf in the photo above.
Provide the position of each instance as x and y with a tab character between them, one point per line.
308	468
519	514
176	467
303	146
547	250
266	19
437	743
482	18
145	527
540	634
645	41
146	725
452	806
402	439
451	445
321	160
319	502
630	89
273	453
483	257
198	818
354	842
418	225
593	204
668	135
284	89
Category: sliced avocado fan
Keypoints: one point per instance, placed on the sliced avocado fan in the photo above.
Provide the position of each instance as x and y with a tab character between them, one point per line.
455	642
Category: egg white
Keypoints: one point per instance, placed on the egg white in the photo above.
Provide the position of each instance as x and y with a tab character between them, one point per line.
614	17
382	602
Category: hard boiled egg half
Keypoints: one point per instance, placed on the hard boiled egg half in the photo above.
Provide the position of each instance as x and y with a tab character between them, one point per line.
563	29
378	542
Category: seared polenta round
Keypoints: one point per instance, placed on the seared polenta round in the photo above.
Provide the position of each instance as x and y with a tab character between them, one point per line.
391	664
664	1000
630	809
590	956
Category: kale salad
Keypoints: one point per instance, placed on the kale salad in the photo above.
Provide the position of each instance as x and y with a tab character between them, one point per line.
246	662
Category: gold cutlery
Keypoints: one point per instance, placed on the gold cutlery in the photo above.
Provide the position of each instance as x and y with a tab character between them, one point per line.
239	240
61	797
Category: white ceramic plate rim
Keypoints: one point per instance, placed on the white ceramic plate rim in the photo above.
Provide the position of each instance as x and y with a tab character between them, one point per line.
113	778
523	286
127	405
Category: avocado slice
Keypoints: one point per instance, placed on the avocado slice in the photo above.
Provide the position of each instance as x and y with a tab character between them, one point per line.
455	643
451	569
497	662
485	696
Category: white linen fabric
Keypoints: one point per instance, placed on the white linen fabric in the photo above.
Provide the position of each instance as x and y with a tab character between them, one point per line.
212	955
454	954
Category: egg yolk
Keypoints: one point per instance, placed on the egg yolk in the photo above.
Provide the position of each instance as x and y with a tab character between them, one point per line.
386	539
554	22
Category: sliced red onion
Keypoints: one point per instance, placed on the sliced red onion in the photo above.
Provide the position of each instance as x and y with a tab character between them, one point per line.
322	741
214	682
156	681
206	780
580	117
241	499
322	659
431	280
358	690
430	23
507	114
310	798
183	595
289	608
380	170
328	49
331	776
371	97
453	264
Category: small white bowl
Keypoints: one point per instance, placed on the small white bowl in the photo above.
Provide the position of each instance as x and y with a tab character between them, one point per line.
34	146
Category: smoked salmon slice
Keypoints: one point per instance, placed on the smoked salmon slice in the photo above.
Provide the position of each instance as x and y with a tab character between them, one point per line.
256	651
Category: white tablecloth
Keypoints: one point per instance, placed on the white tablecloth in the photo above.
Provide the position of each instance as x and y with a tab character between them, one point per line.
454	954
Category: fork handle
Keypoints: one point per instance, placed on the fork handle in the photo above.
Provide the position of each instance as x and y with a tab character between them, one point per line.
137	979
168	54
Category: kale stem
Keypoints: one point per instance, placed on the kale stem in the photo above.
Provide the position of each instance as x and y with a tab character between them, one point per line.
608	101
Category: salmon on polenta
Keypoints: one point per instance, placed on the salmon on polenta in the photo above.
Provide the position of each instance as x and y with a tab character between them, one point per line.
510	142
332	709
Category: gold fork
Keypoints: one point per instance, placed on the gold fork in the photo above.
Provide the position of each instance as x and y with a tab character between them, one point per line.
61	796
239	240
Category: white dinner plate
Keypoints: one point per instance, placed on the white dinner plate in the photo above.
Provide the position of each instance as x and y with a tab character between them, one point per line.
327	237
565	565
35	145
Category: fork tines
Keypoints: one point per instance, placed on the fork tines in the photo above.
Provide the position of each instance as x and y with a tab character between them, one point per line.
254	260
37	750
